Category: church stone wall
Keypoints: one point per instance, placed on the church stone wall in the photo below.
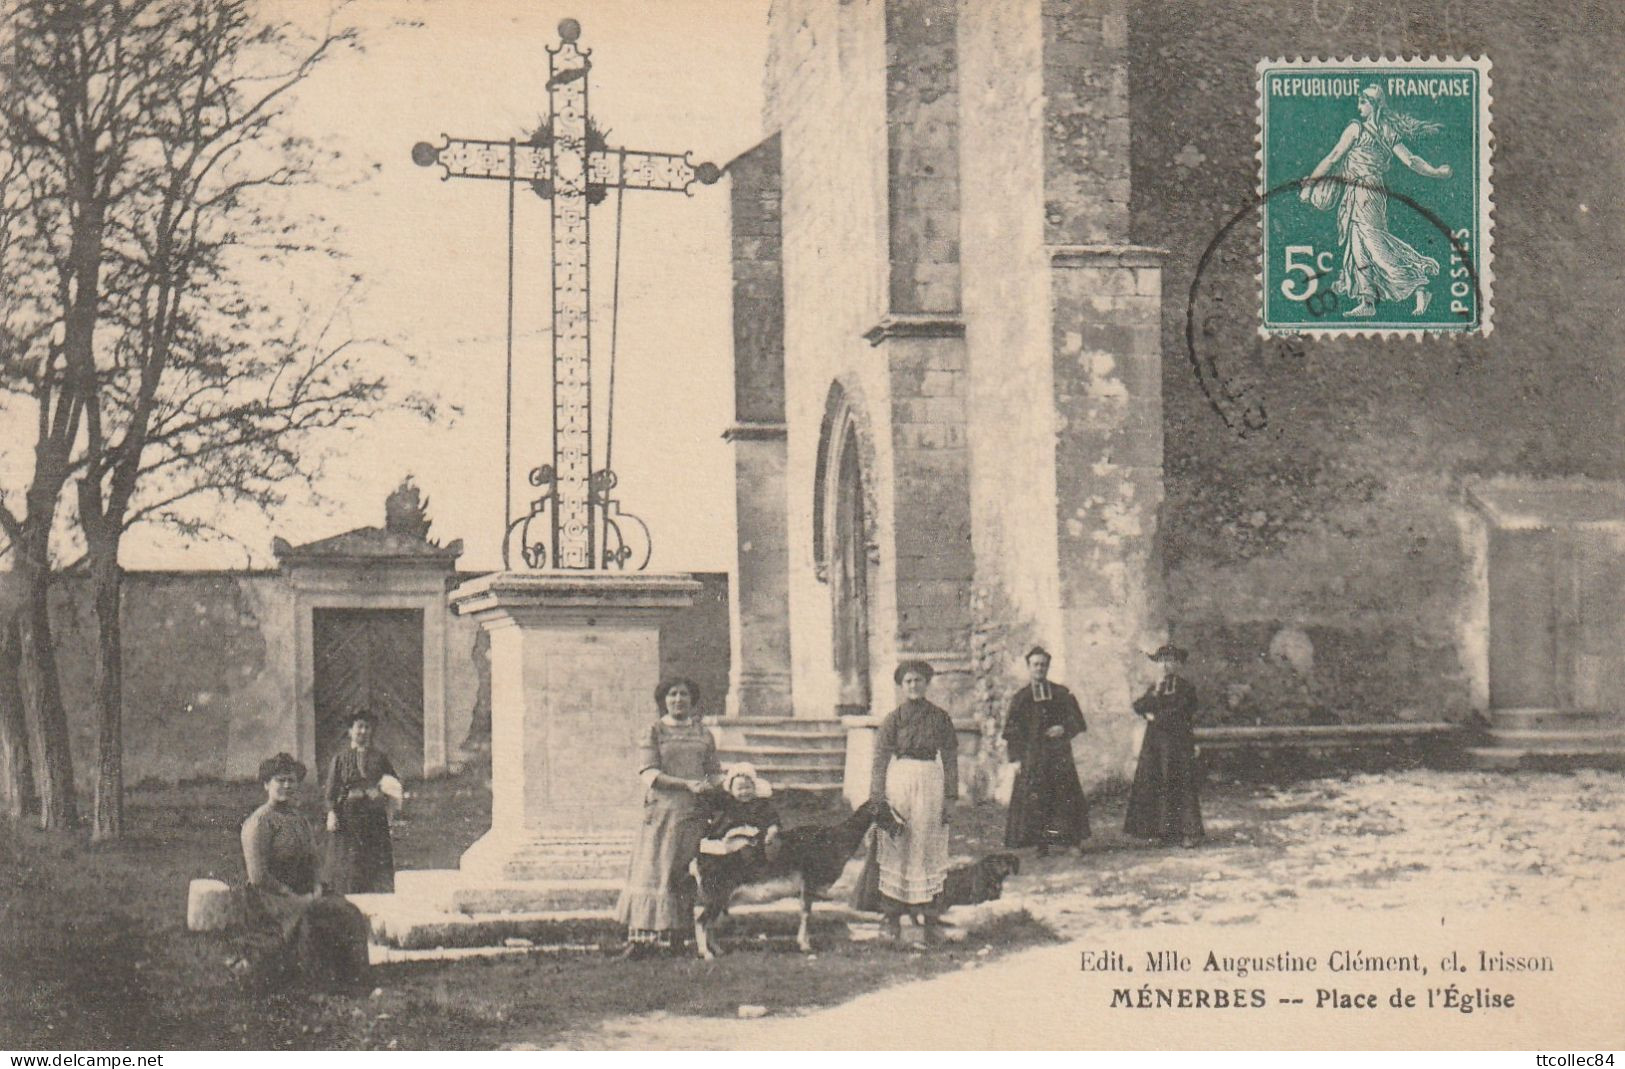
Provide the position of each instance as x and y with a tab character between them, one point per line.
1011	424
826	99
1314	565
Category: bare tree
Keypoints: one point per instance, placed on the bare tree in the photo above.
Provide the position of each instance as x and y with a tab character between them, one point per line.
198	388
52	242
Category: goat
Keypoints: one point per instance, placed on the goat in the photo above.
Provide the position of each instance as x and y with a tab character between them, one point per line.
808	862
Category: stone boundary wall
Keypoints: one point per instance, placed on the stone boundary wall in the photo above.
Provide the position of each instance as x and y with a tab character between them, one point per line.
208	669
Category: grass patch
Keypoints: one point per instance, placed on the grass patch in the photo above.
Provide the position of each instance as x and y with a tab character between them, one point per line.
94	951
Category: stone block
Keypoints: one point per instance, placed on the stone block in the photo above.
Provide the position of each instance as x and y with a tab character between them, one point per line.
930	436
539	896
935	287
211	906
940	250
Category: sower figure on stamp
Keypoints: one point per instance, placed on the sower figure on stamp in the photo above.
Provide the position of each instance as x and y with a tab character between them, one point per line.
362	859
1163	803
1376	264
1047	807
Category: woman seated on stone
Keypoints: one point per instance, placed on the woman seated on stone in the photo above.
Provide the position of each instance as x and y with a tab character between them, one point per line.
305	936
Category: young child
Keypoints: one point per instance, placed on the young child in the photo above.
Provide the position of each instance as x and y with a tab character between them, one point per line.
745	819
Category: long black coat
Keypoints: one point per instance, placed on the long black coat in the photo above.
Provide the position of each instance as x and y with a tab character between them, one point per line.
1164	801
1047	805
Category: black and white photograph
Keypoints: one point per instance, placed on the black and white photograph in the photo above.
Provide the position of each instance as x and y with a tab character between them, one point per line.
811	525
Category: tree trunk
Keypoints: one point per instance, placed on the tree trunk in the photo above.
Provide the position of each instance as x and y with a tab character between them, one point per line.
17	798
107	580
42	696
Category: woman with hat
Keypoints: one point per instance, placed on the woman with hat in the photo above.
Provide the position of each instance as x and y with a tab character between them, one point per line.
677	761
916	770
1163	803
362	859
1047	807
322	939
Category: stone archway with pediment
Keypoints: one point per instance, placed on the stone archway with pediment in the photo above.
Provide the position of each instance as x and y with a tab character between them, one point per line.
370	631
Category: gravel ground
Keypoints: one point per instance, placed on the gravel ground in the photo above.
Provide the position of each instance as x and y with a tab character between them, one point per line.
1417	859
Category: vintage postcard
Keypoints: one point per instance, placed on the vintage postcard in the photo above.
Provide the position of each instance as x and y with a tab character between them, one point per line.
811	525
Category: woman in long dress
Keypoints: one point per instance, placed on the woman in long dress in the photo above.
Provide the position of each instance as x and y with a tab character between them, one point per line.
1164	802
916	770
677	761
362	858
306	937
1376	265
1047	806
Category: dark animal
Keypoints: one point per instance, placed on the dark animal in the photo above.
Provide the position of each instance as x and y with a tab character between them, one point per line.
979	881
809	860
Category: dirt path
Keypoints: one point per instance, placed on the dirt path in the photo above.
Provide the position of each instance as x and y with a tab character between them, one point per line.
1419	865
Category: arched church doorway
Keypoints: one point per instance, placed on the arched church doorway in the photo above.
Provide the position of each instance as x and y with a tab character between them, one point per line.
849	581
844	542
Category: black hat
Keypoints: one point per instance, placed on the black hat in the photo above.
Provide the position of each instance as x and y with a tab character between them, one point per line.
283	764
922	667
1038	651
1169	652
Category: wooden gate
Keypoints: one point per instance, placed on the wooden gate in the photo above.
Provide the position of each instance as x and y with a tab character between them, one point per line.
370	659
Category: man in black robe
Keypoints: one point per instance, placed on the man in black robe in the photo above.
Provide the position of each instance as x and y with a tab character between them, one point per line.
1047	807
1164	801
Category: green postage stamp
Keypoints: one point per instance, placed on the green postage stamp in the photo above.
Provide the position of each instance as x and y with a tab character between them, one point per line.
1375	181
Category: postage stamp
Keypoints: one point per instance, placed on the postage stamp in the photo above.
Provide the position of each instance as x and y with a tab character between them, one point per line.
1375	179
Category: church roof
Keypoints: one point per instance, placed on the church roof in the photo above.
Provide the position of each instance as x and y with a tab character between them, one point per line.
1527	504
371	544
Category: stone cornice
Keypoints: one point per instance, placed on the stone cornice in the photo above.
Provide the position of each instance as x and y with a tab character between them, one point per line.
756	432
1106	255
565	599
916	325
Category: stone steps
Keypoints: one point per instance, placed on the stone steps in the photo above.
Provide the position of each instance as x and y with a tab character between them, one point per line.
1527	719
800	725
782	757
1509	759
803	779
1551	739
418	921
793	754
798	740
1601	739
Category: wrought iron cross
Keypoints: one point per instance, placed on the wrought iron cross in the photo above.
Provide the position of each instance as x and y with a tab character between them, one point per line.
568	163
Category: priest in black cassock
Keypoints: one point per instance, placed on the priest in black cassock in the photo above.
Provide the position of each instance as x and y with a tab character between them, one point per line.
1164	801
1047	807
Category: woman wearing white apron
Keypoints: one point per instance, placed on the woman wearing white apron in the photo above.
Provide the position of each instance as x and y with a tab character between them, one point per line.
916	769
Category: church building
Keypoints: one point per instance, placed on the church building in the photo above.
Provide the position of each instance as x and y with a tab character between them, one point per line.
999	381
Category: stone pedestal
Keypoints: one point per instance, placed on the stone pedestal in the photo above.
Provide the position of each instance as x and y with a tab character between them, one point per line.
574	662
